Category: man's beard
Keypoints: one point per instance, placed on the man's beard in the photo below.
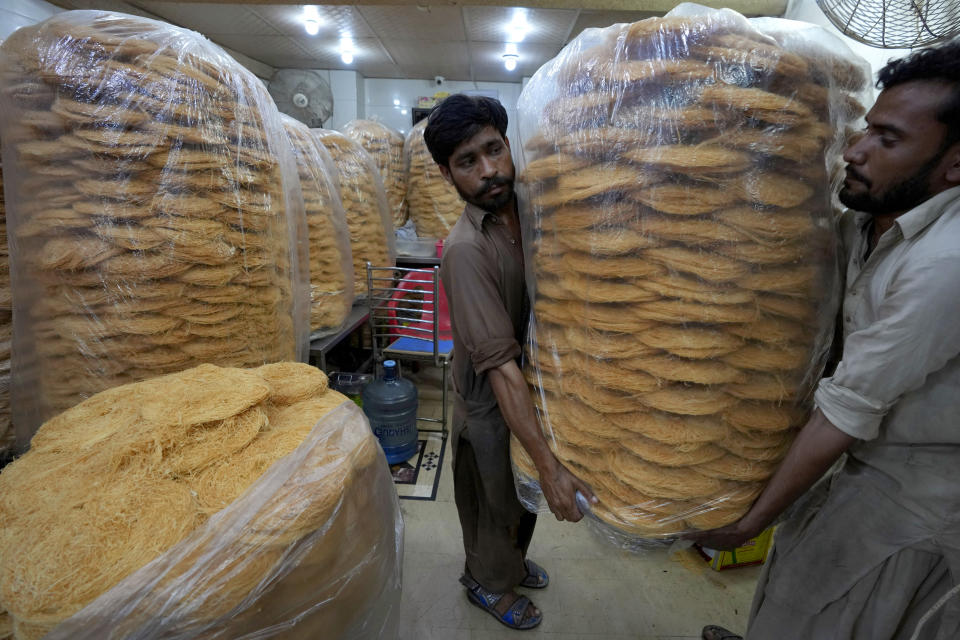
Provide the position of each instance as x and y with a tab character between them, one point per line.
493	204
903	196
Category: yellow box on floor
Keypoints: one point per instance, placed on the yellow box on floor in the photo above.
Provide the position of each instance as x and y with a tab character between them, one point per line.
753	551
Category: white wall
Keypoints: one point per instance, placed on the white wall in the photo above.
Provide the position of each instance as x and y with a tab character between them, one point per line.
21	13
381	92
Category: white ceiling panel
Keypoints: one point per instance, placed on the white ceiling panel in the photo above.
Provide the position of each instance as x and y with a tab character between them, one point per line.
211	19
333	20
547	26
263	47
426	53
488	61
415	23
327	52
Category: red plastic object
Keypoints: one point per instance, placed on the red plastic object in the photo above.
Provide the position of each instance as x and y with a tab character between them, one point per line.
420	293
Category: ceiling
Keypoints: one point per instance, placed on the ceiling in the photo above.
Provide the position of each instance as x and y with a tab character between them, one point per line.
391	41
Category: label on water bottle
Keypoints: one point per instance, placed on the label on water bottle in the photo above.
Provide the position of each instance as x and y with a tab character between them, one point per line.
391	429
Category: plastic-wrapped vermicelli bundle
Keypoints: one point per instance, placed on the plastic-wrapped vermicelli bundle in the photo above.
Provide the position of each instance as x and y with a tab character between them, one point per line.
365	203
432	203
678	210
331	262
210	503
152	202
6	331
385	146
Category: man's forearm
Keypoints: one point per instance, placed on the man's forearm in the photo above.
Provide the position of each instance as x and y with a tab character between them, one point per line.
512	394
818	445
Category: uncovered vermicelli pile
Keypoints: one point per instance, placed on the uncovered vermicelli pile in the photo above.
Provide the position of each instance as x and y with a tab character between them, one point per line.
433	204
148	206
331	260
258	497
385	146
676	183
365	203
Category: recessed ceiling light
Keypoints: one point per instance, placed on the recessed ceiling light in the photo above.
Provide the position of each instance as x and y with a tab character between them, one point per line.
403	112
518	27
311	19
346	48
396	102
510	61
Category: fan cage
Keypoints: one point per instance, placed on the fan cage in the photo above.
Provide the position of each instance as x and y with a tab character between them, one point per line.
894	24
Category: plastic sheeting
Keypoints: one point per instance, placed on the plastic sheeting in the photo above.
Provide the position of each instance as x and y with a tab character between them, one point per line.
312	547
372	236
385	146
153	204
6	331
328	239
681	259
433	203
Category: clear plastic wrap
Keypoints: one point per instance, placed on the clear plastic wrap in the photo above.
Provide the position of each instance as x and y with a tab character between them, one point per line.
433	203
372	237
153	205
331	260
211	503
681	259
6	333
385	146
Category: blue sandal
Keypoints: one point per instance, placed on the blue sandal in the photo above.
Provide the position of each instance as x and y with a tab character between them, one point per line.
537	577
516	616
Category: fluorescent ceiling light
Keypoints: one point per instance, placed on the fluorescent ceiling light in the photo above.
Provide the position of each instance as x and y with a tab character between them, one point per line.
518	27
396	102
346	48
311	19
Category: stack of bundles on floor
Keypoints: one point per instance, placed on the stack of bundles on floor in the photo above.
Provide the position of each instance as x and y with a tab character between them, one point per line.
675	179
331	262
368	215
150	219
433	203
6	333
211	503
385	146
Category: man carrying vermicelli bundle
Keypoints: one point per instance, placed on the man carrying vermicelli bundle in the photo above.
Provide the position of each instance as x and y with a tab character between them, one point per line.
482	273
874	552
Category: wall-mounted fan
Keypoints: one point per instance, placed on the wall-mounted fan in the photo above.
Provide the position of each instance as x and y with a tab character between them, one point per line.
303	94
894	24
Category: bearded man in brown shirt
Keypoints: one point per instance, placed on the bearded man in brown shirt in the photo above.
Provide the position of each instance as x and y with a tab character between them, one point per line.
483	275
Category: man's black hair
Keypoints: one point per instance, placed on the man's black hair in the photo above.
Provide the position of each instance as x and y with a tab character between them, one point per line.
936	64
458	118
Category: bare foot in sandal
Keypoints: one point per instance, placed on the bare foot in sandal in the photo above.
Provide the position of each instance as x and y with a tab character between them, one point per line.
509	608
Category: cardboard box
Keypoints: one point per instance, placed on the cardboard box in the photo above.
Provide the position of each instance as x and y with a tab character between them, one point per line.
754	551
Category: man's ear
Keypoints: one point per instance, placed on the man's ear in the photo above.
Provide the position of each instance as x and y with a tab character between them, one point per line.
445	172
507	140
953	165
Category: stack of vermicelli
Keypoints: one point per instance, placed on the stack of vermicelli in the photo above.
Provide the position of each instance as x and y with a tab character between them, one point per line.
212	502
434	205
676	181
148	207
385	146
368	216
331	261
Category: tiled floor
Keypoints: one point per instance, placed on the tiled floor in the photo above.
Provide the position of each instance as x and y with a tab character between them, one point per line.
596	590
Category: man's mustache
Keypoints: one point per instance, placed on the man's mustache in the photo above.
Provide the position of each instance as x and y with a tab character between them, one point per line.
856	175
496	181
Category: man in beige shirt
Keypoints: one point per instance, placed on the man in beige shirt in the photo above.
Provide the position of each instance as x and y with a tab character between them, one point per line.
873	552
483	275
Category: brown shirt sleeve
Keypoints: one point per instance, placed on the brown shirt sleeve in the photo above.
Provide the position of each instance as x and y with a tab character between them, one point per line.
477	311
